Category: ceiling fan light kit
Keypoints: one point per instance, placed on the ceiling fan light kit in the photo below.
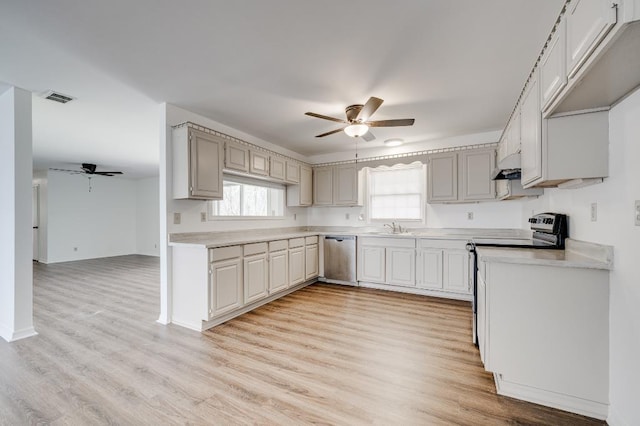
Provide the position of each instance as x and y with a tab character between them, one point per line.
356	130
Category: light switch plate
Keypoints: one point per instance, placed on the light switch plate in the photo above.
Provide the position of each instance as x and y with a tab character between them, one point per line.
594	212
637	212
469	215
203	216
176	218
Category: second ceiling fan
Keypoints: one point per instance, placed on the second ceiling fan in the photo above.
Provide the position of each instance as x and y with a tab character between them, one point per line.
357	122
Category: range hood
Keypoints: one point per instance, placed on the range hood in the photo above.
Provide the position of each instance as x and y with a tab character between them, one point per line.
508	168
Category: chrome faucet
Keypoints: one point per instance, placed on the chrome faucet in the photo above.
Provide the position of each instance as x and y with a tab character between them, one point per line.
395	228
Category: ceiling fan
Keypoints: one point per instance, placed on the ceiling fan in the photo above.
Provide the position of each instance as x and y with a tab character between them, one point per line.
357	122
88	169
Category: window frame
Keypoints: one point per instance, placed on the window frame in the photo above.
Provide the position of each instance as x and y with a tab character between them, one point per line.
422	194
211	216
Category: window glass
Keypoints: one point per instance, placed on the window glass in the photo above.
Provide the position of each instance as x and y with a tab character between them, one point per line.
242	199
396	193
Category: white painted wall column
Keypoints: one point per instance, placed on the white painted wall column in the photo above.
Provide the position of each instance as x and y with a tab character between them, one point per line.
165	190
16	238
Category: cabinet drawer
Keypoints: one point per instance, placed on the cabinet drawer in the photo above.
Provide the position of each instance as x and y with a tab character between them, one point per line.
442	244
387	242
278	245
224	253
296	242
311	240
257	248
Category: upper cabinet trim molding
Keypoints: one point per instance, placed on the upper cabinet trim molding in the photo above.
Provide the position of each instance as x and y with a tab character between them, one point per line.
236	140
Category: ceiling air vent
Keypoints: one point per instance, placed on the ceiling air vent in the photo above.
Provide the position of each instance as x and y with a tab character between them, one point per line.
58	97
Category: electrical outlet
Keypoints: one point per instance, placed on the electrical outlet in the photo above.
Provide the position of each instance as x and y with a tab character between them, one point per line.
347	216
594	212
469	215
176	218
295	216
637	212
361	217
75	249
203	217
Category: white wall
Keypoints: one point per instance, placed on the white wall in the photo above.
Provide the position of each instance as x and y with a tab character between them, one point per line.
99	223
614	226
148	217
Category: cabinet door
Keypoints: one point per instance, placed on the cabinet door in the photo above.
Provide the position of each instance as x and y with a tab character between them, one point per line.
401	266
259	163
442	181
588	22
312	268
553	66
296	266
513	138
236	157
371	264
278	271
277	168
530	132
345	185
456	271
255	277
206	164
477	166
323	186
306	186
292	172
429	269
226	287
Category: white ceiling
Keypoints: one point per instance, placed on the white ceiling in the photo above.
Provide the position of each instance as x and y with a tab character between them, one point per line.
457	67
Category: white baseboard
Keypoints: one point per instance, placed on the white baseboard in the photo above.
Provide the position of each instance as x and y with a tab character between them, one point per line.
13	335
569	403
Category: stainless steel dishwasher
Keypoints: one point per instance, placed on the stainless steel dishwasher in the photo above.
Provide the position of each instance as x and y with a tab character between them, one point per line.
340	259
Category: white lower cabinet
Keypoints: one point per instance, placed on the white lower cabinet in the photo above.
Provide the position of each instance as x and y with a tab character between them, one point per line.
225	287
386	260
443	266
211	286
255	272
278	266
429	269
296	261
370	264
311	258
401	266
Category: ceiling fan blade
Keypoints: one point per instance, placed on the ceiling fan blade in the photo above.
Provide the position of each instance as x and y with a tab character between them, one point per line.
325	117
369	108
66	170
106	173
368	137
330	133
391	123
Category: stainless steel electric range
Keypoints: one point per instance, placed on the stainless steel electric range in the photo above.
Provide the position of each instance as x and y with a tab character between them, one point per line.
549	232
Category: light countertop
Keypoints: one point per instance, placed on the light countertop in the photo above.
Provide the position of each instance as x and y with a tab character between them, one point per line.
577	255
222	239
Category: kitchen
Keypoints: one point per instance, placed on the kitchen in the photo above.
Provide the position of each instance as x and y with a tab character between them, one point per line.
614	206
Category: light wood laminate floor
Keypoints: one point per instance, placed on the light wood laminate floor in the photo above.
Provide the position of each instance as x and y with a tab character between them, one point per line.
325	355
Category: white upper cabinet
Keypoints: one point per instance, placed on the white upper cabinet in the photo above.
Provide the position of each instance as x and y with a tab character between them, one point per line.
292	172
277	168
553	66
476	171
530	132
463	176
197	164
323	186
301	195
236	157
259	163
442	180
345	185
588	22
